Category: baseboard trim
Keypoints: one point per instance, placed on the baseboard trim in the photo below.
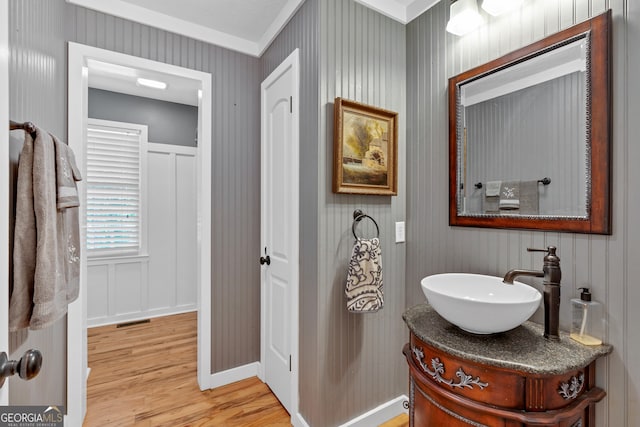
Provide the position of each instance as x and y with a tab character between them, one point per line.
234	375
381	414
298	421
134	317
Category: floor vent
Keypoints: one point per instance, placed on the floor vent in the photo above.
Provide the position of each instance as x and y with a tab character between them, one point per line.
137	322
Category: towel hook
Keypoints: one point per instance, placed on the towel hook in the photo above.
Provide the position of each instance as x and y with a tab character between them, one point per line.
358	216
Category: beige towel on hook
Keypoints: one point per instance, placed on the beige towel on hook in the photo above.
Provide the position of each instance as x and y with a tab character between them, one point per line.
46	240
364	277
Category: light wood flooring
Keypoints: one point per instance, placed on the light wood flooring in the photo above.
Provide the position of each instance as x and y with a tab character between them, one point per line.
145	376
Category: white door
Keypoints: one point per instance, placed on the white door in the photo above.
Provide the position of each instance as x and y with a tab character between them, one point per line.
279	232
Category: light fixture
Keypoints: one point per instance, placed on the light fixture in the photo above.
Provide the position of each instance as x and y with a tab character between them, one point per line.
498	7
464	17
108	68
151	83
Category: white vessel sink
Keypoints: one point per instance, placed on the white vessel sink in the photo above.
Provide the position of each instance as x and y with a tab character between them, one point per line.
480	304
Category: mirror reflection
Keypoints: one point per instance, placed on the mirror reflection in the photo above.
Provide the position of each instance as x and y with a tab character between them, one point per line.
530	135
522	137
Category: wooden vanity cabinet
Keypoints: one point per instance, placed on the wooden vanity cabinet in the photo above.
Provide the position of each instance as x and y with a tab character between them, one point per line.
514	378
446	390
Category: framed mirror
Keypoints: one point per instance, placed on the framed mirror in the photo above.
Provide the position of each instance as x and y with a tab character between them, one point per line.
530	136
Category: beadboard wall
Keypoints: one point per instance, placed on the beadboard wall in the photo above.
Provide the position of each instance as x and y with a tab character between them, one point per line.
302	32
362	58
604	263
37	72
349	363
510	138
235	293
39	30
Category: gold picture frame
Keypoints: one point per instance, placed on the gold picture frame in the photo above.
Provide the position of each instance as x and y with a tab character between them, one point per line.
365	149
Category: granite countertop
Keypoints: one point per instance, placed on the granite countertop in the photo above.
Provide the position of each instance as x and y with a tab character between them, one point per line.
523	348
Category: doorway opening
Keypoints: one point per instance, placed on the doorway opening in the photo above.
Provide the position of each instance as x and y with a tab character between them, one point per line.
86	62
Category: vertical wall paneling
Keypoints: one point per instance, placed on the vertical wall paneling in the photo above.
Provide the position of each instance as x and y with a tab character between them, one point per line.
604	263
235	168
163	281
39	31
302	32
186	235
162	226
37	92
353	361
363	58
5	261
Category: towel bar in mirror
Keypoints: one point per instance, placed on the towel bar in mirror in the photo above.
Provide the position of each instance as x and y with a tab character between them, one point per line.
542	110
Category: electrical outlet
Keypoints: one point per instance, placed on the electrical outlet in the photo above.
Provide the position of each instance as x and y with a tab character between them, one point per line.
400	232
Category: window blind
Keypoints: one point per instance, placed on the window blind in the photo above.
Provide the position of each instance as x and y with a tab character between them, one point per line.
113	190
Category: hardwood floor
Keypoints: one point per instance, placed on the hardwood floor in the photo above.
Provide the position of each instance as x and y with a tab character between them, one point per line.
145	376
399	421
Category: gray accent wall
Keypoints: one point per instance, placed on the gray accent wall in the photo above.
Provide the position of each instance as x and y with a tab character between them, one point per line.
38	35
604	263
509	138
349	363
235	228
362	58
168	122
37	81
302	32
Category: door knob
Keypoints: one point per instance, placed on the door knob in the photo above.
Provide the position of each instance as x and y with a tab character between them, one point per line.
27	367
265	260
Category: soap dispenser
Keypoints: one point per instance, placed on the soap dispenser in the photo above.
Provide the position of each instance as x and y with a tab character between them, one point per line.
587	326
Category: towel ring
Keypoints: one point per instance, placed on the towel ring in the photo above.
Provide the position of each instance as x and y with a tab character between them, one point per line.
358	216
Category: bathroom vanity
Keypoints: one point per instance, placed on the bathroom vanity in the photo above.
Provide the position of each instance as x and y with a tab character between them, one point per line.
515	378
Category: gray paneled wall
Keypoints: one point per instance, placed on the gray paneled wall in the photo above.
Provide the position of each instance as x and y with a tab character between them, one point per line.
235	160
302	32
362	58
39	31
37	80
511	138
168	122
349	363
606	264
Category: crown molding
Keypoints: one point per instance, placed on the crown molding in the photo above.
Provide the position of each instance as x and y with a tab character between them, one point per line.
398	11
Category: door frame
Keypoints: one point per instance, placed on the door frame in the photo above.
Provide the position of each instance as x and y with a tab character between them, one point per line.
292	61
4	189
78	112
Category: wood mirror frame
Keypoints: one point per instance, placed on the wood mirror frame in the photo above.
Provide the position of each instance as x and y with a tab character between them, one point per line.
599	124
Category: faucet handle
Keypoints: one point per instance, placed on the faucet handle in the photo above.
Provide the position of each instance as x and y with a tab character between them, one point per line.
551	250
550	258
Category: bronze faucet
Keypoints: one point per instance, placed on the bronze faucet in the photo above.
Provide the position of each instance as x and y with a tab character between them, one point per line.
551	274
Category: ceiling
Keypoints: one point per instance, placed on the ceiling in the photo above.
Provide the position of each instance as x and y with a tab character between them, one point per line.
247	26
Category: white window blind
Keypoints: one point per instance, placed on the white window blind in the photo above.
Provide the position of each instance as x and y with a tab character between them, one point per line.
114	188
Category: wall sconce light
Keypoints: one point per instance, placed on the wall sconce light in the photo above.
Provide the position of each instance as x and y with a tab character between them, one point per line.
464	17
498	7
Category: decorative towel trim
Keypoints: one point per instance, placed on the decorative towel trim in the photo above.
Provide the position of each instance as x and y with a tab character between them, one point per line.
364	277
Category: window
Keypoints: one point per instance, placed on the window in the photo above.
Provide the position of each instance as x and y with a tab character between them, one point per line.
115	170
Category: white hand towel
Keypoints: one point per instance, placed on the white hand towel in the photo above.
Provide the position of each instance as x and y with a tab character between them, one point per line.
493	188
364	278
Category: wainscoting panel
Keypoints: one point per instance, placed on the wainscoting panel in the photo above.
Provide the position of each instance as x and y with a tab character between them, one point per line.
163	281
